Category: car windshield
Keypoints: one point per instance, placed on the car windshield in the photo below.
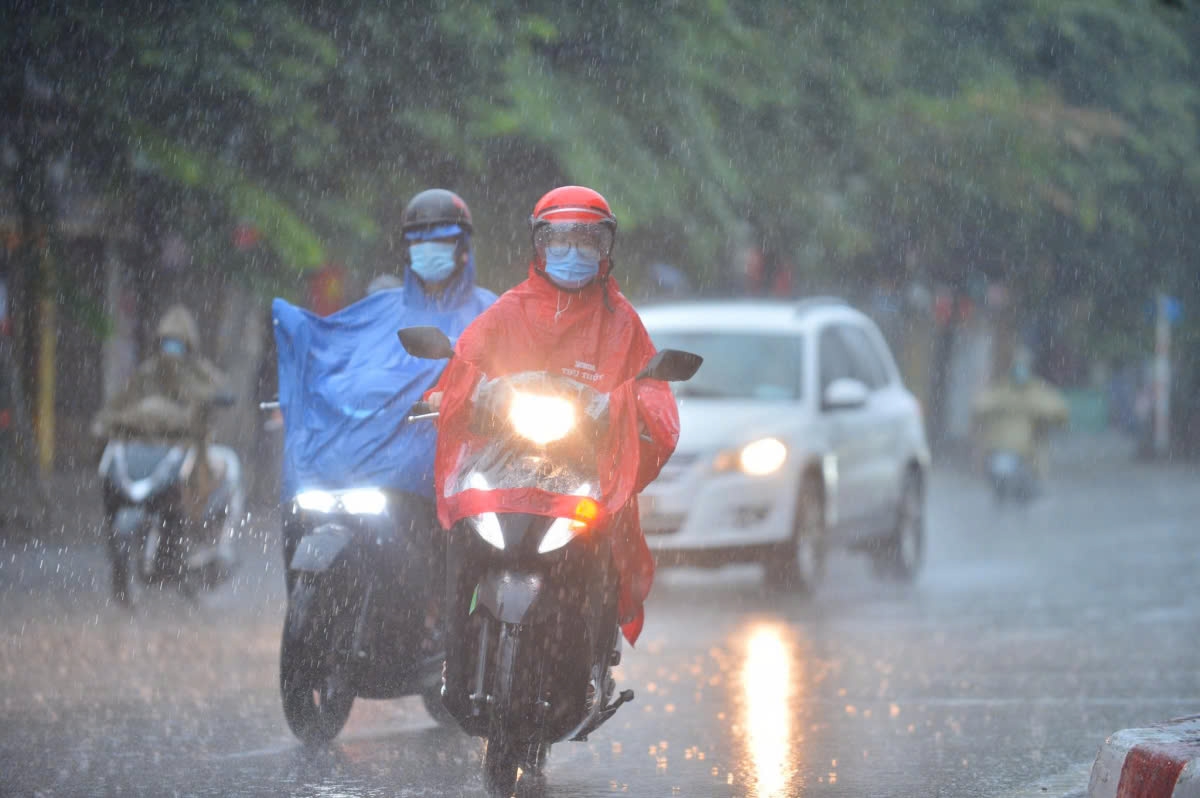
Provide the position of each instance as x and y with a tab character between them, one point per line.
739	365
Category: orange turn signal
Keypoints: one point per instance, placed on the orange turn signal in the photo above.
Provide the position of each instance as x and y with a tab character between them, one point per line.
585	515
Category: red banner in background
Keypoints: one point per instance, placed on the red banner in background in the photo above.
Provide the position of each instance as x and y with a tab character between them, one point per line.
245	236
327	289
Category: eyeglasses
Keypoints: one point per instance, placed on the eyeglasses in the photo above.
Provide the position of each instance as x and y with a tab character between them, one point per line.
591	239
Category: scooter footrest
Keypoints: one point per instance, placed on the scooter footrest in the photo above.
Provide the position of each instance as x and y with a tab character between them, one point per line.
624	698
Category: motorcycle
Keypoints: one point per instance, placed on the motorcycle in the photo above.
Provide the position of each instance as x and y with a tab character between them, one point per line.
360	621
1011	476
532	628
151	539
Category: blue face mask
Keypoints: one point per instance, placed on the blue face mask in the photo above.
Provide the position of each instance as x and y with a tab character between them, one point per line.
433	261
173	347
1021	374
571	269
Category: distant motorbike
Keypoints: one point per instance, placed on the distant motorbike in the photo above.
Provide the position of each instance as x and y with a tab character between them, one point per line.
1012	477
532	627
151	538
364	591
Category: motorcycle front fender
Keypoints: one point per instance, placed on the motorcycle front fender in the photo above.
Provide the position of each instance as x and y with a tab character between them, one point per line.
319	549
128	521
512	596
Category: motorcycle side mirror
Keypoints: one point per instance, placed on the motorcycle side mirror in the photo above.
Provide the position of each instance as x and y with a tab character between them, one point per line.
672	365
428	343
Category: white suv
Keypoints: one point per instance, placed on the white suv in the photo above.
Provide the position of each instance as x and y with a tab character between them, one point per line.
797	435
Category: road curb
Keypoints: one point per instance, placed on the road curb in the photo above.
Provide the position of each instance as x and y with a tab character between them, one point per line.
1162	761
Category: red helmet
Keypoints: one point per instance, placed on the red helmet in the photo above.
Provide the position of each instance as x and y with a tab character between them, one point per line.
573	204
577	213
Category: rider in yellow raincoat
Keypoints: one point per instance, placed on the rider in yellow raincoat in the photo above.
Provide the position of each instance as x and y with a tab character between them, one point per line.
1015	415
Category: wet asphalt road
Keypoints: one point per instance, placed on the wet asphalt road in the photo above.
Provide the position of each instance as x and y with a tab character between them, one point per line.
1030	636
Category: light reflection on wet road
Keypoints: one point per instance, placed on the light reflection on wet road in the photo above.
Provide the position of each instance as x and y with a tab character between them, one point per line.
766	712
1030	637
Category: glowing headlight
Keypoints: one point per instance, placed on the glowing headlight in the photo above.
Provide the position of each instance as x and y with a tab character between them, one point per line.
541	419
564	530
366	501
560	533
762	457
361	501
488	527
315	501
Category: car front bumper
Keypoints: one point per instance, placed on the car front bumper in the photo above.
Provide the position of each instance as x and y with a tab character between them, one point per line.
690	510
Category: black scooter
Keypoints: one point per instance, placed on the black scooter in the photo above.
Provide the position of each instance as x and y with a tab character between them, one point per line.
532	627
363	573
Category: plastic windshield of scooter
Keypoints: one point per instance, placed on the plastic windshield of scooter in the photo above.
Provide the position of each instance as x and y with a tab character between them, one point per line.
141	469
541	434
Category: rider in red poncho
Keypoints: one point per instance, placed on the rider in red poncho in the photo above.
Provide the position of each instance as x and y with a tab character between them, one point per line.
569	318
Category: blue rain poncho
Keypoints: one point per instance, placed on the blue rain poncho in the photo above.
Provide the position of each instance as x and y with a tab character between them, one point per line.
346	385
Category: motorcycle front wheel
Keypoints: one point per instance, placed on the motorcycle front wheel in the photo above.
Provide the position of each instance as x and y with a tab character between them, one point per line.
316	697
133	544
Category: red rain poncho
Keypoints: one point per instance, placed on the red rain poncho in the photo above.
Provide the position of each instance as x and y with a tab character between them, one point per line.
537	327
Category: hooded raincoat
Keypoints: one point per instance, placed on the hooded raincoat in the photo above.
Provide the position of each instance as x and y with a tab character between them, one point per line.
1015	417
346	386
592	336
168	396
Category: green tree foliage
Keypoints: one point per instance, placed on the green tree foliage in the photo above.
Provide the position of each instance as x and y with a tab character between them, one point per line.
1050	144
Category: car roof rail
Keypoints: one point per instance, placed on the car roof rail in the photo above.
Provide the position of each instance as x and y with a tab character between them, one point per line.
812	302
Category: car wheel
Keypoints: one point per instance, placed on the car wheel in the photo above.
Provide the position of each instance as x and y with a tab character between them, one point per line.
901	555
800	565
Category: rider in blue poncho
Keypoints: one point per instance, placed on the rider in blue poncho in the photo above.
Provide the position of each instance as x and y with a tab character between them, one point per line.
345	382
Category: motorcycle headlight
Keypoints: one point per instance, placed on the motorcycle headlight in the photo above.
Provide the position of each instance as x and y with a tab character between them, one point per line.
364	501
487	526
564	530
759	458
541	419
316	501
360	501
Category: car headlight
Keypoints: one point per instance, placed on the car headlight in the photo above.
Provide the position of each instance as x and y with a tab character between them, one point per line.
759	458
487	526
316	501
541	419
564	530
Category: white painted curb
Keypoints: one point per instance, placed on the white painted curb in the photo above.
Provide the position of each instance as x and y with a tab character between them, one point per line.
1162	761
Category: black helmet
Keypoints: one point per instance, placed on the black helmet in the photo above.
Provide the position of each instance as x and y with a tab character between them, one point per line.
435	206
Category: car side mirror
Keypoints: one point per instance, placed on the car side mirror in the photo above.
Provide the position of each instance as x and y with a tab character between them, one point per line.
671	365
845	394
428	343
